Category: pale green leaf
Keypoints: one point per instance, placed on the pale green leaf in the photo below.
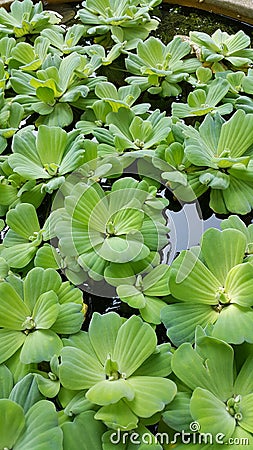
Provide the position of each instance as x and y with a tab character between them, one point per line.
179	330
205	407
46	310
131	295
107	392
6	381
151	394
239	284
51	144
10	342
84	432
236	134
37	282
118	415
90	371
222	251
246	405
191	281
40	345
42	429
12	423
135	342
13	311
234	324
109	325
23	220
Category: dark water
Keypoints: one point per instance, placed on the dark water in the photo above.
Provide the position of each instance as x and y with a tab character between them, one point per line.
177	19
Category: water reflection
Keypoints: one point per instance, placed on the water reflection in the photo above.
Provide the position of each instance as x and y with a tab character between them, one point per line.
187	227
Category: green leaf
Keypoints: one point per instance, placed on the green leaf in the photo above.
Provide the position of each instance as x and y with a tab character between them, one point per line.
37	282
76	404
90	370
218	360
46	95
239	284
109	325
247	413
191	281
156	282
66	70
88	198
25	167
42	429
19	255
46	310
213	367
177	414
151	394
61	116
179	330
47	387
40	345
151	312
51	144
118	415
227	252
135	342
119	274
244	382
13	311
131	295
124	249
107	392
234	324
205	407
127	220
10	342
12	423
236	134
69	319
158	364
84	432
6	381
26	392
46	257
23	220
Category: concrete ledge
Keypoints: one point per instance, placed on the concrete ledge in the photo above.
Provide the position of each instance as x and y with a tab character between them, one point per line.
238	9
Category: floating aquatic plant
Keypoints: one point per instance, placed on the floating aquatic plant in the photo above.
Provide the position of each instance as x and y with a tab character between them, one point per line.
160	68
47	155
221	153
204	101
212	286
220	46
26	18
144	293
117	369
219	388
52	90
34	311
127	22
123	228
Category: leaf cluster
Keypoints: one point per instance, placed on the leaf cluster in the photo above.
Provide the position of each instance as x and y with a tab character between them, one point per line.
83	157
